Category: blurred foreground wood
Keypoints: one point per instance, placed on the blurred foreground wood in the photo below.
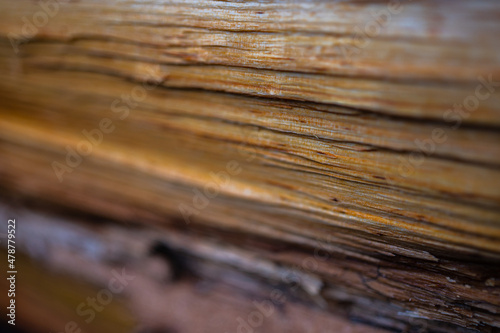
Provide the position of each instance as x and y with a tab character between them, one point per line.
347	152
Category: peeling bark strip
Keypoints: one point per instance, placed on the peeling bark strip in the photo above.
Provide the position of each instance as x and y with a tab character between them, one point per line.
259	275
344	155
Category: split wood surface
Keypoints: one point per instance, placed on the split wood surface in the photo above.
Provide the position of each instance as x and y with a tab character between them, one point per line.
296	124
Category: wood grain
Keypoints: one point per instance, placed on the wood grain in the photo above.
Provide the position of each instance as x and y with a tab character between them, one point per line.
291	124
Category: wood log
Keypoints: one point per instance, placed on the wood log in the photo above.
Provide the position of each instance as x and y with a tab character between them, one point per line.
349	145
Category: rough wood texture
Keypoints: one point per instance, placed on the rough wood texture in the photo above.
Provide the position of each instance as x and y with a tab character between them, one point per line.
293	126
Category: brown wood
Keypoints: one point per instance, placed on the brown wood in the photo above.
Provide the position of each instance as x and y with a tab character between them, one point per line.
268	132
